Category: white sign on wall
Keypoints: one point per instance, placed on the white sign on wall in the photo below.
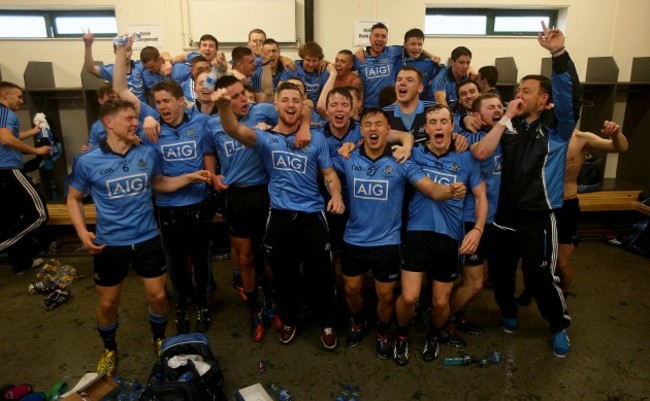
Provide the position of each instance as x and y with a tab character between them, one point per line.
151	35
362	32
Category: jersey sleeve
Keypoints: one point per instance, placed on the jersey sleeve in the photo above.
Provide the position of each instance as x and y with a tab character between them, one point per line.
567	95
323	155
412	171
106	72
80	175
475	177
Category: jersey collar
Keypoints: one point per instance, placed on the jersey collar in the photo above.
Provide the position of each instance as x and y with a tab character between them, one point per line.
106	148
452	148
387	152
327	131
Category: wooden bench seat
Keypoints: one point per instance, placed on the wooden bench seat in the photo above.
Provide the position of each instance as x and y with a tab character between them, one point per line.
606	201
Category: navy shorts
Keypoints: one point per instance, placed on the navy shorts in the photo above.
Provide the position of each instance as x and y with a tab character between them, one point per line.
567	222
146	258
481	254
383	260
247	209
433	253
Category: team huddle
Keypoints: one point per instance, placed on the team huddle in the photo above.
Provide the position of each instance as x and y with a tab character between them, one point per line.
386	158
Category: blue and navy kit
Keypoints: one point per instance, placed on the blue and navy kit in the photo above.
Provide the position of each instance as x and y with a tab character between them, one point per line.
134	78
442	217
10	158
376	196
180	73
376	73
491	171
446	81
181	151
534	155
121	188
240	165
293	172
427	68
313	81
417	123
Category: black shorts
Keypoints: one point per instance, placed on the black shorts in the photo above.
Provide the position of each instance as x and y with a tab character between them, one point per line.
383	260
146	258
336	224
477	258
247	209
433	253
567	222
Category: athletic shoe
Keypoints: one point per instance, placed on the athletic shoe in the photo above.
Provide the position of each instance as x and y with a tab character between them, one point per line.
401	351
431	349
203	320
561	344
182	322
277	322
383	346
257	325
509	325
107	363
287	333
157	345
328	337
468	326
355	334
449	335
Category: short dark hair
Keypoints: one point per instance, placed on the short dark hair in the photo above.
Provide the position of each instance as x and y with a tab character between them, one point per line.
414	33
226	81
373	111
256	30
311	49
6	85
490	74
439	106
378	25
168	85
347	52
149	53
105	89
460	51
297	87
249	88
358	90
476	104
271	41
287	86
464	82
411	68
239	52
208	37
198	59
387	96
341	90
545	85
113	106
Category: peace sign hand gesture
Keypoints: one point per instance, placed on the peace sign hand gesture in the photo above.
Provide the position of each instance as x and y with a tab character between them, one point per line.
551	39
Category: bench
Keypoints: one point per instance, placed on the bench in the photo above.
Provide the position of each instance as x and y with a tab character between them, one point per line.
616	195
59	214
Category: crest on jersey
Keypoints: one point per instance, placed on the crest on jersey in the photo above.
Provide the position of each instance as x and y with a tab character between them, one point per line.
191	132
455	167
142	163
388	170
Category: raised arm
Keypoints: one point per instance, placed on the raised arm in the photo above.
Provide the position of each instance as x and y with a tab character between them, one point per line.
229	121
321	107
616	144
89	62
119	75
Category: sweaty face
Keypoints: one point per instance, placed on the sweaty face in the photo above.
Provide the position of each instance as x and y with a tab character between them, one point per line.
343	63
255	41
529	92
247	65
491	111
374	129
202	94
238	100
378	40
439	127
170	109
288	103
407	86
460	66
208	49
413	47
339	111
467	94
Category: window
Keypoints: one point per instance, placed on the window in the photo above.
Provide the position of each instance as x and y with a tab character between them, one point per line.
487	22
56	23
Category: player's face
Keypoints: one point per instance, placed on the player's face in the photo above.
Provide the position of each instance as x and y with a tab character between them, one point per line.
343	64
407	86
123	124
467	94
273	52
13	98
288	103
153	66
491	111
529	92
378	40
439	127
374	129
460	66
255	41
310	63
247	65
239	103
339	111
203	95
208	49
170	109
199	67
413	47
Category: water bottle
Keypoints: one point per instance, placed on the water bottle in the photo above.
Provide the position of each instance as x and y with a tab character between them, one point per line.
282	394
124	39
211	79
458	360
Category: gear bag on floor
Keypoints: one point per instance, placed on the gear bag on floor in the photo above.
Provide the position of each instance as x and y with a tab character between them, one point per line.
185	371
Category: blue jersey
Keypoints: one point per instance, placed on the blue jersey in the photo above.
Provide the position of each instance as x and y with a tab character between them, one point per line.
491	171
445	217
180	73
97	133
445	81
376	196
241	166
181	150
189	56
293	172
314	81
427	68
121	188
9	157
376	73
133	79
415	125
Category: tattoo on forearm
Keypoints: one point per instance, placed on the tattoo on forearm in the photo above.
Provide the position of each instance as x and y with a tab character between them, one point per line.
328	182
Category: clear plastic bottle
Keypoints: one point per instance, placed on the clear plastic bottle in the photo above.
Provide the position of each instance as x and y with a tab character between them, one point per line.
458	360
211	79
282	394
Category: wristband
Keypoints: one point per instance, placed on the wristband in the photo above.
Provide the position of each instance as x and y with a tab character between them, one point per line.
506	122
477	229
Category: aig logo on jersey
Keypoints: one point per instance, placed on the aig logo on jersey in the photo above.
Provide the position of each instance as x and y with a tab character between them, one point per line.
371	189
379	71
232	146
179	151
440	178
287	161
127	186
